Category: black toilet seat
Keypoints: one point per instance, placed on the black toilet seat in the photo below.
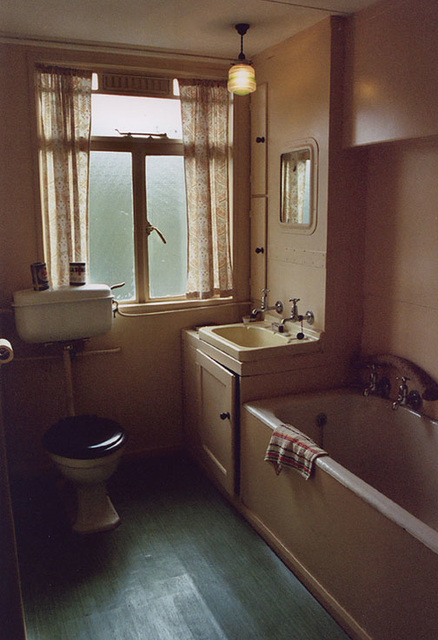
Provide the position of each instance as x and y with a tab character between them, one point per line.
84	437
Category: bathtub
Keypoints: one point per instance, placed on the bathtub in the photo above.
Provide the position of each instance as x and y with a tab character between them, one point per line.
362	532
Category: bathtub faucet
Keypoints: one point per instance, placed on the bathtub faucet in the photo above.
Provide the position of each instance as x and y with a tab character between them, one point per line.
371	386
402	396
406	397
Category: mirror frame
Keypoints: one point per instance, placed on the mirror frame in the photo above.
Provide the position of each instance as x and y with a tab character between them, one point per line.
308	144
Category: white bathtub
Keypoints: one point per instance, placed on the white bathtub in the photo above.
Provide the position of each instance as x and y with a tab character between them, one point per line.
362	532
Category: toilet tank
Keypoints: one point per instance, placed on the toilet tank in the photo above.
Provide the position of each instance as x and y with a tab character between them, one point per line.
67	313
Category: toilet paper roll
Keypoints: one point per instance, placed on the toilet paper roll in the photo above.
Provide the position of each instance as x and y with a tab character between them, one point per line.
6	351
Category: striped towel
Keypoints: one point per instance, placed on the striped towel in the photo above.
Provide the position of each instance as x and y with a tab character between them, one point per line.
289	447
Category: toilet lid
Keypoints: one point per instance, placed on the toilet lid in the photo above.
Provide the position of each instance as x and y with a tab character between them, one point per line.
84	437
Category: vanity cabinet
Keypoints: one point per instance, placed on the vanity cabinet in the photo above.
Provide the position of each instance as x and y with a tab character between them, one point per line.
210	413
215	387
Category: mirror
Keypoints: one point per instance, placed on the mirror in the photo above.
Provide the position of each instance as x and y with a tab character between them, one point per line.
298	187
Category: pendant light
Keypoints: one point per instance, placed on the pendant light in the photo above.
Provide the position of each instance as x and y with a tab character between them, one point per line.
241	76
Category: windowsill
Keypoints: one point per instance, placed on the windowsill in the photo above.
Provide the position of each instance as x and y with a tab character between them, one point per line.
135	308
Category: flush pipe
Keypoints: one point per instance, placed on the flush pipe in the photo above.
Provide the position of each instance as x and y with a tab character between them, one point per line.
66	357
67	351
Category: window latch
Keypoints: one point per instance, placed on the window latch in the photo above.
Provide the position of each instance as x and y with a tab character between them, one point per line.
149	228
151	136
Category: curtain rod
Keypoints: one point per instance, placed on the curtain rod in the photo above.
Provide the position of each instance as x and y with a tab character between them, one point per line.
110	47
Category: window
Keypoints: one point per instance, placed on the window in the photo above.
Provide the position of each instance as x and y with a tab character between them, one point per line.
138	219
159	205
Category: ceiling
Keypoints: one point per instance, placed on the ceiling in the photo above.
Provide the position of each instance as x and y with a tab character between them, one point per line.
204	27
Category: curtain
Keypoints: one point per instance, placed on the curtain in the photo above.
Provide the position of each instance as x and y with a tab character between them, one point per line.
205	108
64	108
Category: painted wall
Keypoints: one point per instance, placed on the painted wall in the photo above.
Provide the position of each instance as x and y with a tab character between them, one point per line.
392	95
304	78
378	224
297	76
140	386
391	72
401	287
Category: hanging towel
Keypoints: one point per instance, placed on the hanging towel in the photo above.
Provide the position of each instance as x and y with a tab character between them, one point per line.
289	447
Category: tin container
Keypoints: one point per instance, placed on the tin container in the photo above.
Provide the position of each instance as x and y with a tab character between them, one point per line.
40	279
77	274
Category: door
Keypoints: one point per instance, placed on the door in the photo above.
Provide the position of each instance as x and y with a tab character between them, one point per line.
11	607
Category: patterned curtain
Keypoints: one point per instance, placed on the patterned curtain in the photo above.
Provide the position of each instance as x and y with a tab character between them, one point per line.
64	107
205	107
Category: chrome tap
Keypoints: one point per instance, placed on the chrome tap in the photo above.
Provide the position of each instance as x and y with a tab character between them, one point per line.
294	316
403	392
408	398
371	386
278	306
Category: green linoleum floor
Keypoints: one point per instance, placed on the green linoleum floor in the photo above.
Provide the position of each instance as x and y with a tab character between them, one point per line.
182	566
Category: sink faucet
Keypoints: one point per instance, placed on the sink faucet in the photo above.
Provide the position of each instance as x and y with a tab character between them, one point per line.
294	316
278	306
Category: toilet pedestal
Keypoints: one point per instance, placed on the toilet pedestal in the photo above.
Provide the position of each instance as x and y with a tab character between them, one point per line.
95	511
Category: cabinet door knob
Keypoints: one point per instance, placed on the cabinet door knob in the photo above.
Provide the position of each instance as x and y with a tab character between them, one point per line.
260	139
224	416
260	250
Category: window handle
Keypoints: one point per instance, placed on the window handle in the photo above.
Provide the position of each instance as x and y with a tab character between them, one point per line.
150	228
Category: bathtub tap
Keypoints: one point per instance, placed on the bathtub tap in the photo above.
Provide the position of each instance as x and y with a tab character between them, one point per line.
406	397
374	386
371	386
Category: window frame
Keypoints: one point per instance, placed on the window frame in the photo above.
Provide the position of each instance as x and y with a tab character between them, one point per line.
140	149
239	174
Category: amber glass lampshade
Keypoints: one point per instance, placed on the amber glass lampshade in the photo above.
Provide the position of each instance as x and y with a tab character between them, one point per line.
241	76
241	79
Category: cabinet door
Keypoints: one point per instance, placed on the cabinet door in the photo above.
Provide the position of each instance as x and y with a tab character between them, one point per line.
258	248
217	386
259	144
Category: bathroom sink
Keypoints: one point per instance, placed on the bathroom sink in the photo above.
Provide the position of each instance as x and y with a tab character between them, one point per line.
247	335
257	340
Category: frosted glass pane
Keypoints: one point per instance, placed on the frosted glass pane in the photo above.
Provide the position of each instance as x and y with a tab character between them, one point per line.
136	115
112	222
166	209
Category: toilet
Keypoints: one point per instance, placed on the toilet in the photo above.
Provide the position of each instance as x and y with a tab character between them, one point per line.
87	449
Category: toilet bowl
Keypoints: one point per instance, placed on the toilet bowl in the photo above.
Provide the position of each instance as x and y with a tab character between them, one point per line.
86	450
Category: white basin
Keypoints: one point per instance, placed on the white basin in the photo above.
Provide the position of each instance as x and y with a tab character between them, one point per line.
257	340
